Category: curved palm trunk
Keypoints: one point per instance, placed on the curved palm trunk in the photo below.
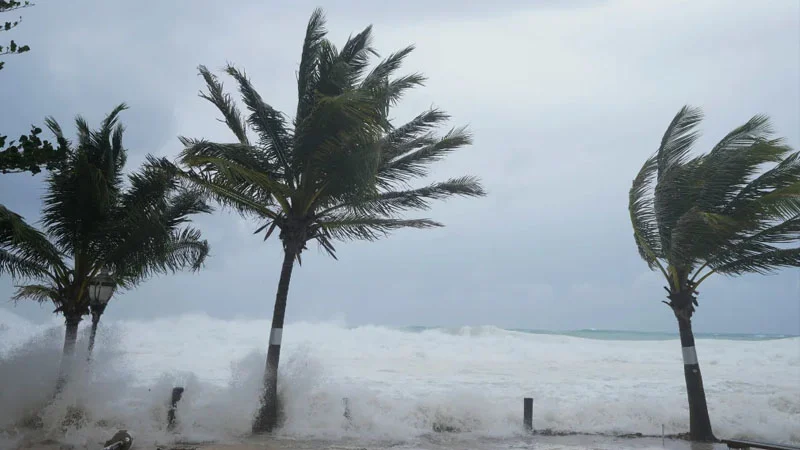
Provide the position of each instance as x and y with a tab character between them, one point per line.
699	422
267	416
68	354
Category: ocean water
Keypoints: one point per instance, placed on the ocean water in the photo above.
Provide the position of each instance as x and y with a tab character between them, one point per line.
399	383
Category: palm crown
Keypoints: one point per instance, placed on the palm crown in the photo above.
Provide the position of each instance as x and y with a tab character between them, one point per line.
718	212
342	170
95	222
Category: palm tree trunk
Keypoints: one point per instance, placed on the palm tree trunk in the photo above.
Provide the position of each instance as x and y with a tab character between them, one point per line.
267	416
699	422
68	353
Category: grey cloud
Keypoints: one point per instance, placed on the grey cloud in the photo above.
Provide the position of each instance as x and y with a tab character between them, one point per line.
565	103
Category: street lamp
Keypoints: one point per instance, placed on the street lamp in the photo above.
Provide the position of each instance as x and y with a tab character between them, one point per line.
101	288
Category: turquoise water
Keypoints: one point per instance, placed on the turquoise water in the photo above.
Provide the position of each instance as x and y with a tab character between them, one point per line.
624	335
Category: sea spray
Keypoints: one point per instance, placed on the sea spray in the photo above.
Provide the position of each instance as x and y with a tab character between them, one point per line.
401	385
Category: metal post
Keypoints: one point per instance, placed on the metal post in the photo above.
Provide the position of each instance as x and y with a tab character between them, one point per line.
177	393
527	416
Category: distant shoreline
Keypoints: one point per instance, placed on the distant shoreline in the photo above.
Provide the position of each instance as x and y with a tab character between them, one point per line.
606	335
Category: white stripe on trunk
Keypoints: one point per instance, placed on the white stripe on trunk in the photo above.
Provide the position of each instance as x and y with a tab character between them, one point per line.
275	336
689	356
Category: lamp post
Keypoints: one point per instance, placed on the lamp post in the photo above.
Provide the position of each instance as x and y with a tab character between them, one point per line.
101	288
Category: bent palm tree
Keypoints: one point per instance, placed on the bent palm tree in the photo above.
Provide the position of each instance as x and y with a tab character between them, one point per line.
340	173
95	223
714	213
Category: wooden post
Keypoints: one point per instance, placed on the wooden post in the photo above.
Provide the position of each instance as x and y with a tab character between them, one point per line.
527	414
177	393
346	403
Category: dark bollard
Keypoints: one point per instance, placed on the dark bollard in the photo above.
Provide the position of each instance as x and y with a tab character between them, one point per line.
346	403
177	393
527	416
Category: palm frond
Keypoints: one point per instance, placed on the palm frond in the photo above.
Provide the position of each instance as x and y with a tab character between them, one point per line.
355	55
781	204
308	72
354	116
24	250
18	266
178	250
231	170
386	68
678	139
674	195
761	242
39	293
228	194
782	176
225	104
393	202
415	163
698	234
349	227
55	128
395	142
239	153
642	214
266	121
762	263
394	89
729	167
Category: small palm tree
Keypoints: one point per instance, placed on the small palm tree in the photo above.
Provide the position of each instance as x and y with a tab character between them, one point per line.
341	172
95	223
714	213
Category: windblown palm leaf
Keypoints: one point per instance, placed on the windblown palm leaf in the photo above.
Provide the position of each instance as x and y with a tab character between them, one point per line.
24	250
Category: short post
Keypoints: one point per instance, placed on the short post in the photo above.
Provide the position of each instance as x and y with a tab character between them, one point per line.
527	414
177	393
346	403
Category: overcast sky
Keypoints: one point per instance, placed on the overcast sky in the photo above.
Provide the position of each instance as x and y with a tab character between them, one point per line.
565	99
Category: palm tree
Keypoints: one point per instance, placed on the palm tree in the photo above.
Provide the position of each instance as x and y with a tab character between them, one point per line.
95	223
715	213
340	172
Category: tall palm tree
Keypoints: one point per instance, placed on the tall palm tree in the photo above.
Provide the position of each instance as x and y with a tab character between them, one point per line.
720	212
95	222
339	172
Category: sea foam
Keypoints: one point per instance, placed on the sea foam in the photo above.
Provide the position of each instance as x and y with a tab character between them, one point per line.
400	384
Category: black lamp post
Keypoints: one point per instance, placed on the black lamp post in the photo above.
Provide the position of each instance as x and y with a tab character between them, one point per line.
101	288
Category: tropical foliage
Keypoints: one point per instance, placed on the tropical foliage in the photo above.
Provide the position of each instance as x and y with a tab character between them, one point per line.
340	170
94	221
732	211
12	48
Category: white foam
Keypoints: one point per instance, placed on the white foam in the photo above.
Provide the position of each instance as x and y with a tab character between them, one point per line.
401	383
